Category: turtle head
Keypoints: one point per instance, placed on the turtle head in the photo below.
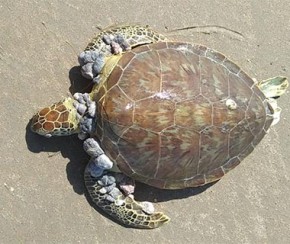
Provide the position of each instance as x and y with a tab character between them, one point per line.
59	119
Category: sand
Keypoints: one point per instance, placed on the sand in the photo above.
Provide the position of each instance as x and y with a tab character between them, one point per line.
42	194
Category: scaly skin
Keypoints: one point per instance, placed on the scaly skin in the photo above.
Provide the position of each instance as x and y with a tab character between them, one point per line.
59	119
134	35
130	213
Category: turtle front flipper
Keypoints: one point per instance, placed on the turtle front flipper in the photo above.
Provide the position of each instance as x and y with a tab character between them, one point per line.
104	189
122	208
111	41
127	36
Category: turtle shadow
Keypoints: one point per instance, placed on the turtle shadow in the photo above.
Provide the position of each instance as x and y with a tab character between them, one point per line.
69	146
78	82
149	193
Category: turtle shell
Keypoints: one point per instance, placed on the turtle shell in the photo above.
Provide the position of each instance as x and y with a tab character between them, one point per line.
176	115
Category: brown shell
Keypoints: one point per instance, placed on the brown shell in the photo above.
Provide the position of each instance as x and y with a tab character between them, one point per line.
163	115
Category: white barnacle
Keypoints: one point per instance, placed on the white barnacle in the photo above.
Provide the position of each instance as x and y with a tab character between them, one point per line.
92	109
77	95
164	95
182	48
94	170
147	207
129	106
82	135
119	202
103	190
81	108
104	162
87	71
92	147
231	104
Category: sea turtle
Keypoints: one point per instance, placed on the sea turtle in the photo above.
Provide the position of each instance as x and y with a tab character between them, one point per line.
166	113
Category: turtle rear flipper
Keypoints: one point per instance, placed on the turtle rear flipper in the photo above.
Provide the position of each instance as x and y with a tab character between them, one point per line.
122	208
273	87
